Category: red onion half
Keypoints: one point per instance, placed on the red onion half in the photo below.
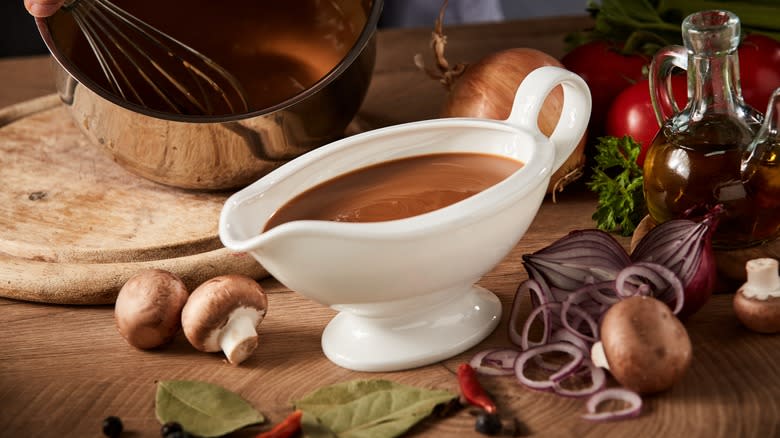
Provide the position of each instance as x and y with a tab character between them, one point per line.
685	247
580	255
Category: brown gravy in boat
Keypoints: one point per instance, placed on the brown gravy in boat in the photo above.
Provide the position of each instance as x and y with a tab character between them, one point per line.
397	189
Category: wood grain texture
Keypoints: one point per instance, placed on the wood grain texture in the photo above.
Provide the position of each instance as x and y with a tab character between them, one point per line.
72	216
64	368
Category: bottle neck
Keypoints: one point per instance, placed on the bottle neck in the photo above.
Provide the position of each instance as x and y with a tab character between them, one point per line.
714	83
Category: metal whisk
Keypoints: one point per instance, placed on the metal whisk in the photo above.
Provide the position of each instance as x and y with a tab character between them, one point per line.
151	68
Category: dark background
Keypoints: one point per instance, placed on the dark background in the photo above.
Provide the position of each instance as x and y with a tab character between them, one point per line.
19	36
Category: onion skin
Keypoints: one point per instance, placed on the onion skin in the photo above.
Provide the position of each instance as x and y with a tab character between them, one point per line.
487	90
685	247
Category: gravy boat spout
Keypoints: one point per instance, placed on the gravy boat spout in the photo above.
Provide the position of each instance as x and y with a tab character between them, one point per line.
406	289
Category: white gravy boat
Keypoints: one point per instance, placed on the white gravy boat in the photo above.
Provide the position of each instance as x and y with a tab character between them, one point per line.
405	289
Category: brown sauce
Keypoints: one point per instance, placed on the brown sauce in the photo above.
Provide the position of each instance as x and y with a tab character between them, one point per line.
397	189
274	49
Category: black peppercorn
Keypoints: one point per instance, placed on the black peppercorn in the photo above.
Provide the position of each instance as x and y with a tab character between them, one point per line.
169	428
112	427
488	424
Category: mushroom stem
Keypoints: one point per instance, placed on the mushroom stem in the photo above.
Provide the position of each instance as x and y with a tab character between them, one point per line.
597	355
763	281
238	338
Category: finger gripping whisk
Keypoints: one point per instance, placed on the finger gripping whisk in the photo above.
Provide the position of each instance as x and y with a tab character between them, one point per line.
143	65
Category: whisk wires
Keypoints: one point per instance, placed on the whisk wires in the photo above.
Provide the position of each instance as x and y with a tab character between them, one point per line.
144	65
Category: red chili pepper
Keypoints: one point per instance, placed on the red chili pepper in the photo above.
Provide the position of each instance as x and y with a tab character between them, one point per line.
286	428
472	391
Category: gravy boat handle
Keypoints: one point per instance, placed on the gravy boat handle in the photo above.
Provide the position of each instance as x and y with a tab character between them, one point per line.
575	112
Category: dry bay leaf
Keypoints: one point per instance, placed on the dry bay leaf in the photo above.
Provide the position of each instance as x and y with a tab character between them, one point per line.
367	408
203	409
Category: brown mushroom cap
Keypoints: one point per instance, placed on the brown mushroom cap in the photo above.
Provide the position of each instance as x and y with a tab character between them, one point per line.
646	346
762	316
148	308
211	304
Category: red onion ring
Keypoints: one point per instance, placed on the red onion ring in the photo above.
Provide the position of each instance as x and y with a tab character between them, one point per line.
598	379
665	284
564	335
495	361
633	409
584	316
535	290
595	290
559	347
476	360
544	310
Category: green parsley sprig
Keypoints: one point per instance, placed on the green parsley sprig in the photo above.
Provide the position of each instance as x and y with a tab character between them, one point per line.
617	179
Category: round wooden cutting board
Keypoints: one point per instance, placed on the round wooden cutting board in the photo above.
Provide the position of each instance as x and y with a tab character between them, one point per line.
74	225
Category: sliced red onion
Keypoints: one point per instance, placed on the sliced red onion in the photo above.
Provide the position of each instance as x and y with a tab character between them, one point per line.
569	368
537	292
568	262
633	409
546	310
558	347
495	361
558	294
598	379
603	292
564	335
504	359
664	284
476	360
583	317
685	247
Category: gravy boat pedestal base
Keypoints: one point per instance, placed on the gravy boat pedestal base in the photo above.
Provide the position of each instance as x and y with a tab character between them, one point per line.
420	337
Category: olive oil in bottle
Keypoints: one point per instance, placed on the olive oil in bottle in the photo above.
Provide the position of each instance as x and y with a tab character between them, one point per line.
707	154
691	171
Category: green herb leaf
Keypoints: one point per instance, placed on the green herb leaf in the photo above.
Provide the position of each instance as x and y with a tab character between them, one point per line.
203	409
367	409
617	180
647	25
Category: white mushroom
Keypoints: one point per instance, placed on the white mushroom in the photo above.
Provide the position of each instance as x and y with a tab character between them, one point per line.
148	308
757	302
224	314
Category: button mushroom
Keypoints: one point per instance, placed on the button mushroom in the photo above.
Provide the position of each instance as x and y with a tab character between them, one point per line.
224	313
643	345
757	302
148	308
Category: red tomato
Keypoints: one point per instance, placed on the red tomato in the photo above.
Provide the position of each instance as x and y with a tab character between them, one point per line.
607	72
631	113
759	69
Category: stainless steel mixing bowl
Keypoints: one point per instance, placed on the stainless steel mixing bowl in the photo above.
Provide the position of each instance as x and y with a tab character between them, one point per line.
216	152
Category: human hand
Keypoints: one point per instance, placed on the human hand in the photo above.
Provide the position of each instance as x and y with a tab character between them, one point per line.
42	8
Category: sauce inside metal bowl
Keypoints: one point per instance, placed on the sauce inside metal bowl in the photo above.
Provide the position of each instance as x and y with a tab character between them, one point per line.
274	49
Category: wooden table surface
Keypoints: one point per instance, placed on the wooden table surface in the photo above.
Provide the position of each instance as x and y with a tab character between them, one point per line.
64	368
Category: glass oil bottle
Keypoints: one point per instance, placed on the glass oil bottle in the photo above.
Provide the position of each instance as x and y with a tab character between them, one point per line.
697	159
